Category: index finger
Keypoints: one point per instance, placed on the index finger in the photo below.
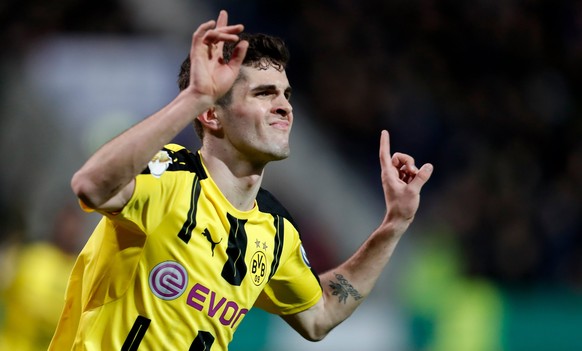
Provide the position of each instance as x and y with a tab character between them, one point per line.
384	143
222	24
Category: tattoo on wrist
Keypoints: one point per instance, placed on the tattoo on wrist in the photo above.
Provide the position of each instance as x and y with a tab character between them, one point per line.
342	289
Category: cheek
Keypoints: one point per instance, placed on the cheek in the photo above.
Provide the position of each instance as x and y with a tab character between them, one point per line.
247	118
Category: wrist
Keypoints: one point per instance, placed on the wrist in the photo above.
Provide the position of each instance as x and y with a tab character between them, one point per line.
198	101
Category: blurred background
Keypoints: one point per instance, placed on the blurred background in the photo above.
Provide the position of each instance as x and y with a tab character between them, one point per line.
486	90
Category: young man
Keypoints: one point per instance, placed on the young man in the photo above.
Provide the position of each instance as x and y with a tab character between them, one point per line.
189	242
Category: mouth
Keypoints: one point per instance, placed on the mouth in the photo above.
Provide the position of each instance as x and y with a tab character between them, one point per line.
283	125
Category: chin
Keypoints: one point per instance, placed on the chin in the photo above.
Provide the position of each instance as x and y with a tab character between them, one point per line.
280	154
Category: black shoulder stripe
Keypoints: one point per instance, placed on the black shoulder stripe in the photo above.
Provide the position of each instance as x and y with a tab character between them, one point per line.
269	204
183	160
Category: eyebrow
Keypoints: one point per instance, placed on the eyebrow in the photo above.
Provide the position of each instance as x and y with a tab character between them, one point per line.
272	87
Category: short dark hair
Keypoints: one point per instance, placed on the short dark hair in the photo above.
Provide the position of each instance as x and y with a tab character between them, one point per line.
264	51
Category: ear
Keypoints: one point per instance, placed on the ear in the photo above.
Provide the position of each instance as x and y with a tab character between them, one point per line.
209	120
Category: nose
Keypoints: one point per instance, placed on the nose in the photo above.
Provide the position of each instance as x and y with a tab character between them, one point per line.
282	106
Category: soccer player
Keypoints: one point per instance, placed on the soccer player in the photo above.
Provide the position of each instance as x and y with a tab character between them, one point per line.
189	241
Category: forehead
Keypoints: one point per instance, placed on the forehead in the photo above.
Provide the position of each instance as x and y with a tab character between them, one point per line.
251	78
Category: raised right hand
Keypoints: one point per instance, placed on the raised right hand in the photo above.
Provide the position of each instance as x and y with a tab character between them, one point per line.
210	76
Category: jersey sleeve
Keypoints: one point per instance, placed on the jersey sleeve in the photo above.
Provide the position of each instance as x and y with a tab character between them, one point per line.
294	287
153	196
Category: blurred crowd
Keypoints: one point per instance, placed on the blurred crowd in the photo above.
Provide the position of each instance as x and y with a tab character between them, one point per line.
488	91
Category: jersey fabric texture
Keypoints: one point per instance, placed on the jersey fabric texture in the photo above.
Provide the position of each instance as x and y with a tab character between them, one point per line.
179	267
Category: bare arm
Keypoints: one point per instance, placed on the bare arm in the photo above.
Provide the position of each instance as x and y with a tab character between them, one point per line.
346	287
106	180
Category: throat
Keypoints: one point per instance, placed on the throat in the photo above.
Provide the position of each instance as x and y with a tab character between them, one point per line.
242	196
238	181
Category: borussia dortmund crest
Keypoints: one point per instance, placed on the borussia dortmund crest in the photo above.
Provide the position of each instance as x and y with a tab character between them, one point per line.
258	267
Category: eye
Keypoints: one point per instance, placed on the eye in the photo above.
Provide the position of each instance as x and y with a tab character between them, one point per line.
263	93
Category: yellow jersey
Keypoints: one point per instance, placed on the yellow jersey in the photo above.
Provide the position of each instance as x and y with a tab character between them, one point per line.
179	267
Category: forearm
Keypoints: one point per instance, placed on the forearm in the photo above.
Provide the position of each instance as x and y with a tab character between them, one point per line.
347	286
117	162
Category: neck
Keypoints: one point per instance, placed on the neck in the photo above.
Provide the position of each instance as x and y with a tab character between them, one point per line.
238	180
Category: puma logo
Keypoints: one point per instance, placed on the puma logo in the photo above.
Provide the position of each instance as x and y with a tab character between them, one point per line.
213	244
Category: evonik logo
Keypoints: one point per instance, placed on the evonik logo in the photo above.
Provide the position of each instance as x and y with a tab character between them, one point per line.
168	280
203	299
